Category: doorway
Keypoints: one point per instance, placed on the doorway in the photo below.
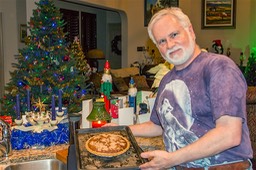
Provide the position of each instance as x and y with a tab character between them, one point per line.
115	47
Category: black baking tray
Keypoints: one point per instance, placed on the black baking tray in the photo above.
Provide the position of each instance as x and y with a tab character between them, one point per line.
128	160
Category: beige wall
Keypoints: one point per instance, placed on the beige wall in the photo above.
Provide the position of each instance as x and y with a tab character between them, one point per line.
10	37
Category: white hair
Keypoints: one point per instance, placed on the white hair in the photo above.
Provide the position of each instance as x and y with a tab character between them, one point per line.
173	11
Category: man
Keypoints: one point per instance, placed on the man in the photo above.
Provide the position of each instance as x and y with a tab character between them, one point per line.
200	107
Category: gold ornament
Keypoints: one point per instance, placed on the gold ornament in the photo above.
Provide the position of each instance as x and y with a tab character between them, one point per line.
40	105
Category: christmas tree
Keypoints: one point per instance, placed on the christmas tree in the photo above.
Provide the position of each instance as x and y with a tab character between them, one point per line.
250	70
81	63
46	66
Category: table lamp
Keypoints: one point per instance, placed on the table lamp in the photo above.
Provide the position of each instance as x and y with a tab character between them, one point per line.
93	56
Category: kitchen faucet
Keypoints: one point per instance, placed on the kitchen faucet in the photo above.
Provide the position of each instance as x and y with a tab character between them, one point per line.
5	141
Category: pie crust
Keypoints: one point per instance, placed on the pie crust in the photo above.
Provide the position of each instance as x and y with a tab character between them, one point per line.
107	145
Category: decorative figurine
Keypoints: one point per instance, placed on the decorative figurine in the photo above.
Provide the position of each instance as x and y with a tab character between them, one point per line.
228	52
217	46
106	85
242	58
132	92
143	108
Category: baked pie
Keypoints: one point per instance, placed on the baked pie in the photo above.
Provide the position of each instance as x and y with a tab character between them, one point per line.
107	144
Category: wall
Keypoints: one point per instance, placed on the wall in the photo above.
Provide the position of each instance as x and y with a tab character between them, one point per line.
10	35
134	33
253	24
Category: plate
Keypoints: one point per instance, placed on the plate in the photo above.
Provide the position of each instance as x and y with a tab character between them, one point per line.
107	145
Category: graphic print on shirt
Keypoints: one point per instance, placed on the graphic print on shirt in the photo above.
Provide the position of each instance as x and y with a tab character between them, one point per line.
177	119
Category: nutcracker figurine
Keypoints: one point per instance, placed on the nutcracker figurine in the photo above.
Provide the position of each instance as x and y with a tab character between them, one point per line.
217	46
106	85
132	92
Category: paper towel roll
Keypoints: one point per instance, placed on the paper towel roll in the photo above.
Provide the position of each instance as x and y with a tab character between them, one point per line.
86	110
125	116
123	101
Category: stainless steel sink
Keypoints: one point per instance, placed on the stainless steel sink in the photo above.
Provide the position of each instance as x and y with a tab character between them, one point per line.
47	164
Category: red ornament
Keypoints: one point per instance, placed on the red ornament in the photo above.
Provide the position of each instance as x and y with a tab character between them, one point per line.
26	87
66	58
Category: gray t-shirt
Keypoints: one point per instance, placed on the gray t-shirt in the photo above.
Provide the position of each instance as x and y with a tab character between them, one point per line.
189	101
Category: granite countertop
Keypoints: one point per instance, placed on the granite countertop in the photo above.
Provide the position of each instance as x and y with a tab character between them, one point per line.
148	144
25	155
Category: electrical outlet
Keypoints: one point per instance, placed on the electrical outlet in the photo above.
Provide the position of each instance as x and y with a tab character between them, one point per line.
142	48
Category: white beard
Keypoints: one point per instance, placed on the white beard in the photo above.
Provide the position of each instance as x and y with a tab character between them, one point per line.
132	91
106	77
181	59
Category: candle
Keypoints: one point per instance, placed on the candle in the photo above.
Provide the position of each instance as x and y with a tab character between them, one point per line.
28	100
60	101
98	124
53	108
18	115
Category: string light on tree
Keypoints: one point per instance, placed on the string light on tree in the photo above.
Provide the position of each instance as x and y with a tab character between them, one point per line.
46	64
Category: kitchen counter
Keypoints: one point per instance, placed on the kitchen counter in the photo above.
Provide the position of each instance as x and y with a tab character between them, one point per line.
25	155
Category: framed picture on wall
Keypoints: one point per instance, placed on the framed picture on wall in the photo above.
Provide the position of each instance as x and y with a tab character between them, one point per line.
152	6
218	14
23	32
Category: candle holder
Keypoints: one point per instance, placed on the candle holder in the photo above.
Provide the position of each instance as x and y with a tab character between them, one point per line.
60	114
53	122
98	124
99	116
18	121
37	118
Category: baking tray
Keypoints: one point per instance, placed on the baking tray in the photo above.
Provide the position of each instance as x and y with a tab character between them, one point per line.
131	159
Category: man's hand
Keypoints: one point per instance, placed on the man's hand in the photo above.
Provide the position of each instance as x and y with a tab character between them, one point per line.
110	124
158	160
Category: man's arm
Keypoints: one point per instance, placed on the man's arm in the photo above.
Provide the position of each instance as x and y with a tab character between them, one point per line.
147	129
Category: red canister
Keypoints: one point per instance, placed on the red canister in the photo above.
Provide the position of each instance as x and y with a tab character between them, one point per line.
114	105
